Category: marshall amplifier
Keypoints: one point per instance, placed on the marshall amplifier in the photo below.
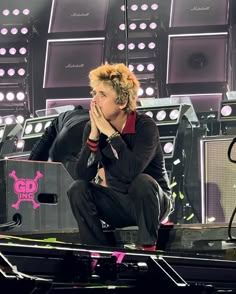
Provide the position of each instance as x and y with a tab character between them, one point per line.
78	16
34	193
197	59
69	61
191	13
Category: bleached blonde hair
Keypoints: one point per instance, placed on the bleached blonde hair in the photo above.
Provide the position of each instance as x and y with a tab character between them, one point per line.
121	79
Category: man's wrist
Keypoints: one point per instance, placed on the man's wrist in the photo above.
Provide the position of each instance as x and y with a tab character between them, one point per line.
93	137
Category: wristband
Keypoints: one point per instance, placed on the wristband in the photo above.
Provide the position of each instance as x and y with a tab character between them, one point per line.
93	145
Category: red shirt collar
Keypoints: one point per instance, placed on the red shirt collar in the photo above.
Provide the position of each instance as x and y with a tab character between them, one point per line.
130	123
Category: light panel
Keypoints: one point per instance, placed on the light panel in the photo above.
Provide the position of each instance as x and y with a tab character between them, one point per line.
141	10
12	73
35	127
137	47
8	119
14	49
12	31
168	111
14	95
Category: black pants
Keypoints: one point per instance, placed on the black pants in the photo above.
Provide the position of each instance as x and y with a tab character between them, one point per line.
145	205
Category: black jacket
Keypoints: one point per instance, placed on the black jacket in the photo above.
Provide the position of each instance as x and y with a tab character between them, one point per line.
135	153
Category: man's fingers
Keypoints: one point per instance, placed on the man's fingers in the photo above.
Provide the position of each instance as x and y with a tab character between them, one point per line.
97	111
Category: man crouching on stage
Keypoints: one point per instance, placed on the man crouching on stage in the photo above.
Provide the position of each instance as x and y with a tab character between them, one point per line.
121	170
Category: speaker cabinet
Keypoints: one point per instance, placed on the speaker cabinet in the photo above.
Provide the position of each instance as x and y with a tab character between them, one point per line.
187	13
218	178
78	16
68	61
197	58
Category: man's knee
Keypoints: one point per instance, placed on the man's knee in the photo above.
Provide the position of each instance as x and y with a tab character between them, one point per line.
142	185
77	189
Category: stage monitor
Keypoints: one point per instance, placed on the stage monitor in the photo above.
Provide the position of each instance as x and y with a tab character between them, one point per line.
208	102
52	103
69	61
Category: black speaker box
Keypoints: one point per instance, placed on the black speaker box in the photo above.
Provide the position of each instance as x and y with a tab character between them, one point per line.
36	193
218	176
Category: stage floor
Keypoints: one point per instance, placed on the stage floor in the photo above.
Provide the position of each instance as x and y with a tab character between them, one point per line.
192	259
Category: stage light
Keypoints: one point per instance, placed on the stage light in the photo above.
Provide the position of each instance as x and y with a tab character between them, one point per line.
168	146
148	88
140	28
13	30
138	48
15	114
15	15
168	111
141	10
228	110
20	144
144	67
12	72
14	49
12	95
35	127
8	119
20	119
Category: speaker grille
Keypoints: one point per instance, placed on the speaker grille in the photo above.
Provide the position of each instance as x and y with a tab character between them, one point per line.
218	180
197	58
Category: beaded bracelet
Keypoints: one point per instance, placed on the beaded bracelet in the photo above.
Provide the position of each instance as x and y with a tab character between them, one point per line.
114	135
